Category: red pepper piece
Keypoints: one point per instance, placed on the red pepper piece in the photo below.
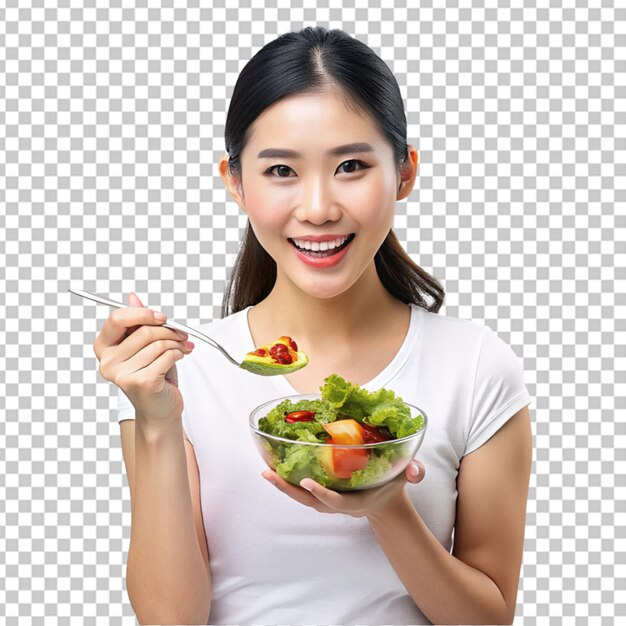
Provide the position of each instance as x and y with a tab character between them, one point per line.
372	434
299	416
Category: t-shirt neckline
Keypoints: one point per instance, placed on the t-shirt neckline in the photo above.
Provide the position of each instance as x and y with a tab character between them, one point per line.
380	380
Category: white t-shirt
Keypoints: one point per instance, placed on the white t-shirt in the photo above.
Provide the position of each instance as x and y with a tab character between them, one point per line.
276	561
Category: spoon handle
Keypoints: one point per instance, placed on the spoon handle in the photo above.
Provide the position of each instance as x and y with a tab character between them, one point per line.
170	323
95	298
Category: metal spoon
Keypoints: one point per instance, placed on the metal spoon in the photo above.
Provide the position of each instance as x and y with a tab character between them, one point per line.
174	325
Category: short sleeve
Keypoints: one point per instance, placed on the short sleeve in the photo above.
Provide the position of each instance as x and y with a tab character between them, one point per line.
499	390
125	409
187	426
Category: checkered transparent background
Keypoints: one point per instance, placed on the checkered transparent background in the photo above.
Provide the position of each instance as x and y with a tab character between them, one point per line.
111	124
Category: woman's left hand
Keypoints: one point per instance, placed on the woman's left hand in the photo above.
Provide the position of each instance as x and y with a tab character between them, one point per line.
357	503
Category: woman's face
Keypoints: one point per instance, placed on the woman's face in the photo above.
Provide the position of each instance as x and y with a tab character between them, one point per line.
314	194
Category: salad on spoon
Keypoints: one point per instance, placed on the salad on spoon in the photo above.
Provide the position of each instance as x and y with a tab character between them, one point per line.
280	357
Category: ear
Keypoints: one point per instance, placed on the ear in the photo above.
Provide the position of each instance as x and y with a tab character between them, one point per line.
232	182
408	173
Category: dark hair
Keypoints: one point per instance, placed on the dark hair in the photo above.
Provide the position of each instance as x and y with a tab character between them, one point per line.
316	60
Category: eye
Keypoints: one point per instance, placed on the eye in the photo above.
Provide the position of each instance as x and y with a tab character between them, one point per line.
284	167
361	165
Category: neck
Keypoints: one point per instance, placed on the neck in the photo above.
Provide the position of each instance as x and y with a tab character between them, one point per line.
322	323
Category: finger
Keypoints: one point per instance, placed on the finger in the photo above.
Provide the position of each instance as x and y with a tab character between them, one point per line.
133	300
411	472
124	320
298	494
145	355
157	370
332	499
152	378
415	472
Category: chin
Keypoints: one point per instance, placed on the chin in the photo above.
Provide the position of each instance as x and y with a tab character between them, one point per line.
324	288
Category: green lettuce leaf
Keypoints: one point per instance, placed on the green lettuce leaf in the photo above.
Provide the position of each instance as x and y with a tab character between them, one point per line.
302	462
336	390
274	422
377	466
377	408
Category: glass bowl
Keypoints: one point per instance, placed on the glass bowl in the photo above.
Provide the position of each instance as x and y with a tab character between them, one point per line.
377	463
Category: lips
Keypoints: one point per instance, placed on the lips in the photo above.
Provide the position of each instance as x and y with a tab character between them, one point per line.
323	260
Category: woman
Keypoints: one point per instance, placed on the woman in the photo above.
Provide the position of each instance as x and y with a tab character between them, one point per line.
317	152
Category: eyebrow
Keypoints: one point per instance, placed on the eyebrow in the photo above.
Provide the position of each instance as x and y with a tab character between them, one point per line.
338	151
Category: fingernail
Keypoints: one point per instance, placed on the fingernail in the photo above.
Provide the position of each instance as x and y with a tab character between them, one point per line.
159	316
416	469
304	485
269	478
182	333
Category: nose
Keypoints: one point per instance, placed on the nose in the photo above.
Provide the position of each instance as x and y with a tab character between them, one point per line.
317	203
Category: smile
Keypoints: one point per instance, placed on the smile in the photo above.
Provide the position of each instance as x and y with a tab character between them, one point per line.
320	250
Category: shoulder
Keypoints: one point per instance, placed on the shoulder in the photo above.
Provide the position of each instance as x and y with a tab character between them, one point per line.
446	322
460	333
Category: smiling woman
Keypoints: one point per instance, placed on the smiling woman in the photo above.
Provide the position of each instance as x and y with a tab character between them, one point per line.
331	110
317	158
322	197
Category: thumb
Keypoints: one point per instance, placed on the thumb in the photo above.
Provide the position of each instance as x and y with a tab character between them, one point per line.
133	299
415	471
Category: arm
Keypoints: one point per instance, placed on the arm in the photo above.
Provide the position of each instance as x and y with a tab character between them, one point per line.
168	580
477	583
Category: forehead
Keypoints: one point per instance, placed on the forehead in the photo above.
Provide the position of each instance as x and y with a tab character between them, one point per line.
312	121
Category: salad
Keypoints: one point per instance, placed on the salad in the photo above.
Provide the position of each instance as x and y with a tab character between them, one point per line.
345	414
279	357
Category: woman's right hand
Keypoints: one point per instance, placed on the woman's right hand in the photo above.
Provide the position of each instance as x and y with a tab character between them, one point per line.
138	355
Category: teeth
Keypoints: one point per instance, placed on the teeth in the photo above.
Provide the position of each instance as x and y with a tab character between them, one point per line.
316	246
